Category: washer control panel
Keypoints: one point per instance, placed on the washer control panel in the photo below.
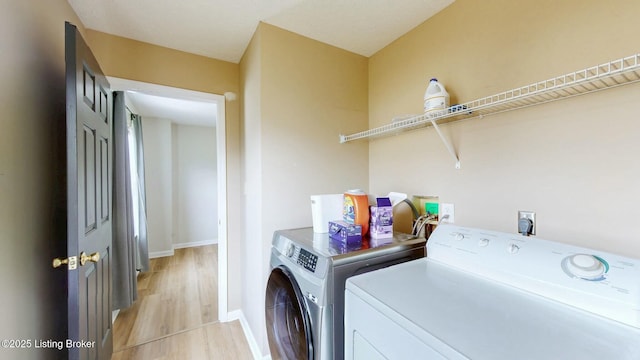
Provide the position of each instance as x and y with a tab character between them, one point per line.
308	260
300	256
596	281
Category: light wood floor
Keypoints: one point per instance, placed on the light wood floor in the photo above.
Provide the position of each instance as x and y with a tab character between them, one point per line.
175	316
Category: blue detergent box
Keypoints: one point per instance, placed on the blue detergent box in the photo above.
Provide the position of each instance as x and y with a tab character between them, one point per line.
345	233
381	219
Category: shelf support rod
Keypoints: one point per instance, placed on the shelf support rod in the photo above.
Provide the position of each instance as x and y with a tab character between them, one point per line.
446	142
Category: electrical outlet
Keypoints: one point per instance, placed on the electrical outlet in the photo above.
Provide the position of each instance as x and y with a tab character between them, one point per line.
446	209
528	215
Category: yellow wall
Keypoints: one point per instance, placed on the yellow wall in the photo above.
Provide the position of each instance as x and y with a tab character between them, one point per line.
311	92
252	259
574	162
134	60
299	94
32	94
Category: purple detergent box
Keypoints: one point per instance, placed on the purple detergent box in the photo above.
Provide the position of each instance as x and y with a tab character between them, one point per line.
345	233
381	219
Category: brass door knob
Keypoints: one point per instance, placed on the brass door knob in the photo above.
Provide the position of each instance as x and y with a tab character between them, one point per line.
71	262
93	258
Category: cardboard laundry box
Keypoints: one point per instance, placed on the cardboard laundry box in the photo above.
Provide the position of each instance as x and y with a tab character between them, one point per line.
381	219
345	233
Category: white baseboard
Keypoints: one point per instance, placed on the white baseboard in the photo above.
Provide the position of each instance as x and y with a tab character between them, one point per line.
157	254
195	243
253	344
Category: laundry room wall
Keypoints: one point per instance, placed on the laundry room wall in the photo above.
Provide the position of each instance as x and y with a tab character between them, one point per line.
573	162
32	186
251	130
299	94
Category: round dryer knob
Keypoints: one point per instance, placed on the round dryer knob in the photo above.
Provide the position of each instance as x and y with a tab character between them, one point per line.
585	266
459	236
513	249
483	242
290	250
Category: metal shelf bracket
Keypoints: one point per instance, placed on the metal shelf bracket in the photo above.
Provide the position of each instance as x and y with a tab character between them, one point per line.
447	143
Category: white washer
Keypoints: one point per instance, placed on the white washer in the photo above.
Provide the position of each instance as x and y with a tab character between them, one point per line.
487	295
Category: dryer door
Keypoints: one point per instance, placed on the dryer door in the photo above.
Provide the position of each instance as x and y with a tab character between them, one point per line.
288	322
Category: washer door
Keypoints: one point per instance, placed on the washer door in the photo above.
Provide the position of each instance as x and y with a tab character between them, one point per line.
288	322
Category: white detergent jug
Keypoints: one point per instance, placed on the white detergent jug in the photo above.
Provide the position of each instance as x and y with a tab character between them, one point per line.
436	99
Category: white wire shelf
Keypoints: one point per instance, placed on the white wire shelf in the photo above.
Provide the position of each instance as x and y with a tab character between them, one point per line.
605	76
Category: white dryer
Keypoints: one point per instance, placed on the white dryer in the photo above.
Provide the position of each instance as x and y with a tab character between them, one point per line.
487	295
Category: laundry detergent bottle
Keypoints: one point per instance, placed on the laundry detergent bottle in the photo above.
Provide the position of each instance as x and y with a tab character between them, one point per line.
436	99
356	209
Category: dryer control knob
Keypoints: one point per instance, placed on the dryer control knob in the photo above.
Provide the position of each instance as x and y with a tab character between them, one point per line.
459	236
290	250
513	249
585	266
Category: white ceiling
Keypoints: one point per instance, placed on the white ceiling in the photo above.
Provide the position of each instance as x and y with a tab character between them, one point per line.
180	111
222	29
181	106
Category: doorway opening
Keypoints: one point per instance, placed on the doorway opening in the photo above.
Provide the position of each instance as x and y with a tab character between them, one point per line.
217	118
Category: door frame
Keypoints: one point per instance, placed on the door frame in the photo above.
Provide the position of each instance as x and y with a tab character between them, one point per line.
119	84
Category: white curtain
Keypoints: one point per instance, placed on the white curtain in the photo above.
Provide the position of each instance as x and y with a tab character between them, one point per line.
139	200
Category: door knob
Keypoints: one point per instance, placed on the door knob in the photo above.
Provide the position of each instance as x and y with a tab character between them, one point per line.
71	262
93	258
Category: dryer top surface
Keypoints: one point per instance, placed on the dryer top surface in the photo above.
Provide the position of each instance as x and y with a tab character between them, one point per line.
322	245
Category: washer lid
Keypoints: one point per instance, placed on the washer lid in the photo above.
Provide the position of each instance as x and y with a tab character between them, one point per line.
483	319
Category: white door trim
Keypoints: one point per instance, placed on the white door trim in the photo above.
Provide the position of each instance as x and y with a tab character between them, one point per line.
118	84
221	141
